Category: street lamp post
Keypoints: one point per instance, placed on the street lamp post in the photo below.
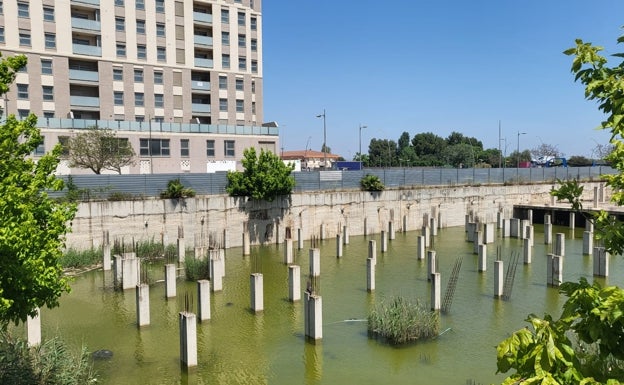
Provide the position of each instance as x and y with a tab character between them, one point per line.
518	150
361	126
324	138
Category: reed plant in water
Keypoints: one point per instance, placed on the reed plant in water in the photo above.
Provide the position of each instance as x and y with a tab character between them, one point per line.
399	321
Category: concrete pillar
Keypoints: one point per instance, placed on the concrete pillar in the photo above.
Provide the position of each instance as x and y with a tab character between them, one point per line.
560	244
548	233
530	216
345	235
246	245
142	304
315	262
467	223
506	228
477	241
106	257
588	242
499	219
554	275
488	233
216	275
527	250
384	241
471	230
601	193
436	302
420	251
200	253
572	220
288	251
117	271
547	218
433	225
431	263
530	234
515	228
365	224
170	280
33	329
498	279
299	239
589	226
372	250
181	250
391	233
426	232
522	233
596	198
338	245
601	262
313	309
404	223
482	257
203	300
294	283
188	339
322	231
257	292
370	275
278	238
131	272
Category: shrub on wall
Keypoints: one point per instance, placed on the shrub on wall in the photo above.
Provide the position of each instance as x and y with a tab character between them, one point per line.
175	189
371	183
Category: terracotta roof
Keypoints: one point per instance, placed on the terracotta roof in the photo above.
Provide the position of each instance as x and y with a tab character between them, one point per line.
306	154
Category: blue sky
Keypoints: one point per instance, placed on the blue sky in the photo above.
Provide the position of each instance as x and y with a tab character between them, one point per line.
433	66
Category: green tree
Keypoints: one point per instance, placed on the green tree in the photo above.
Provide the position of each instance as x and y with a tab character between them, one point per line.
100	149
382	153
459	138
579	161
459	155
33	226
265	177
428	143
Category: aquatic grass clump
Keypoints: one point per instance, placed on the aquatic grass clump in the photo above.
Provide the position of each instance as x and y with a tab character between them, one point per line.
197	269
399	321
73	258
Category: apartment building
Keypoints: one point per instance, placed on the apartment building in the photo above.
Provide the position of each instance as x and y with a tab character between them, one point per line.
180	79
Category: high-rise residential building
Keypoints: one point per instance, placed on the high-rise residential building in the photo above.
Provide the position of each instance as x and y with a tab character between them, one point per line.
180	79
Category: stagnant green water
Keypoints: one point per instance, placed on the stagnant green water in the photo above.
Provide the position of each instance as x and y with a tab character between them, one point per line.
239	347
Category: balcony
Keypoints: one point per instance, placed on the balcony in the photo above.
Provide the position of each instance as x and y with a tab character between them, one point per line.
203	40
200	108
93	3
87	76
84	101
200	85
84	49
201	17
205	63
86	24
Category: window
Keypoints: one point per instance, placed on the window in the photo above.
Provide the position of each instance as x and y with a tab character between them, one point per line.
254	45
241	41
24	39
64	142
254	66
159	100
118	74
228	148
161	53
23	114
118	97
139	99
210	148
160	6
22	10
40	150
253	23
184	148
140	4
48	14
48	114
225	38
225	61
48	93
160	30
22	91
223	105
121	50
240	86
253	108
138	75
158	77
139	118
154	147
223	82
141	51
241	19
242	64
50	40
253	86
159	119
1	34
140	27
46	67
240	105
225	16
1	8
119	3
120	24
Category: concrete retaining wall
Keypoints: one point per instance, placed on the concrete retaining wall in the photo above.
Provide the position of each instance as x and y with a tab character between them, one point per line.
225	218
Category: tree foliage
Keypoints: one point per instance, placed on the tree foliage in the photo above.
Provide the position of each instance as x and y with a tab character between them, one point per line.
545	150
382	153
175	190
265	177
33	226
100	149
371	182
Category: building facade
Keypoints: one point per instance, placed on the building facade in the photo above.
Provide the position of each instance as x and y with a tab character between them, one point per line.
180	79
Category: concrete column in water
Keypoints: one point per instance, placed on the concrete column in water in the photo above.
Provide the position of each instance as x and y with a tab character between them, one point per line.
524	224
170	280
488	233
142	304
527	251
372	250
482	257
294	283
548	233
498	279
288	251
181	250
530	234
588	242
203	300
391	232
466	222
315	262
431	263
435	291
530	216
601	262
404	223
572	219
554	275
477	241
560	244
589	226
384	241
345	234
433	225
506	228
216	274
246	245
188	339
365	224
471	230
33	328
338	245
499	219
515	228
131	272
426	232
547	218
257	292
299	239
106	257
313	316
420	251
117	271
370	275
322	231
